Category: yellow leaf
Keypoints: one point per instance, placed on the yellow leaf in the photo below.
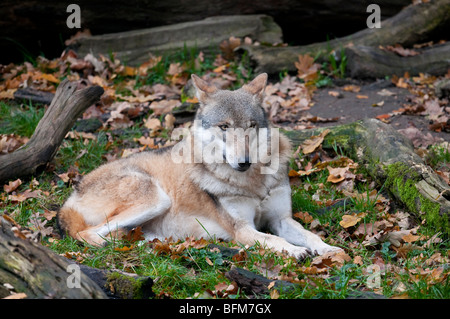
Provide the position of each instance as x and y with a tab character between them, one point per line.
349	220
192	100
129	71
50	78
124	248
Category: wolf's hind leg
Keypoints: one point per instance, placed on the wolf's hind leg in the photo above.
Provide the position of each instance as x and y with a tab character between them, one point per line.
131	215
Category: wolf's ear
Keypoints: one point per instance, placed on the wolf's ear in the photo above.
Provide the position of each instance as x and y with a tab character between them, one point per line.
203	89
257	86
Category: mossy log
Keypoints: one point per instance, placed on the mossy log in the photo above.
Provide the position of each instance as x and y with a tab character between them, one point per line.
67	105
38	272
414	24
390	160
120	285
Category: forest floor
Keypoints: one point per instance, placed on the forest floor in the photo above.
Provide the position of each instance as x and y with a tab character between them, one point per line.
389	252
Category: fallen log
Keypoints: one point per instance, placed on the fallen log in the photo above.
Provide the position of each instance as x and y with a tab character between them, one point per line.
371	62
35	96
255	284
390	160
67	105
135	47
118	284
37	272
414	24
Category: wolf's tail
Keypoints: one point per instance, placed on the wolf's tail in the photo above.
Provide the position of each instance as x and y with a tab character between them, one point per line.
70	222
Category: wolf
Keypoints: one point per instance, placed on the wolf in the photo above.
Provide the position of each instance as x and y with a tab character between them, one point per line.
212	184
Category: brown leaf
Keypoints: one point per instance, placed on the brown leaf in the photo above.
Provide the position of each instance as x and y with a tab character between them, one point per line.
12	185
164	106
307	69
337	174
304	217
410	238
352	88
134	235
228	46
401	51
311	144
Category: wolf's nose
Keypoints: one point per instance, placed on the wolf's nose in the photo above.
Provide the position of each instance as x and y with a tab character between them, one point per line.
244	165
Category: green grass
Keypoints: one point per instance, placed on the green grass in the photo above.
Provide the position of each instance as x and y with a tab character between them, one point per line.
85	155
20	120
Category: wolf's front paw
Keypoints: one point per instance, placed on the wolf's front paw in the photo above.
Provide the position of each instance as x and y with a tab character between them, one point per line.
300	253
322	249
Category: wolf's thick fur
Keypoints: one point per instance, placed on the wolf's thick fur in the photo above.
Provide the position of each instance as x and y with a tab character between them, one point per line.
231	199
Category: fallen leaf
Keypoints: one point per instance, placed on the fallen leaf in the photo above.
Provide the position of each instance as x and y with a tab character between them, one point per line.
50	78
311	144
410	238
385	92
20	295
307	69
124	248
383	117
378	104
334	93
336	174
358	260
352	88
349	220
153	124
362	97
304	217
169	121
274	294
134	235
401	51
12	185
228	46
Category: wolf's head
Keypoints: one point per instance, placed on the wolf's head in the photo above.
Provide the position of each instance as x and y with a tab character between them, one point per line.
228	122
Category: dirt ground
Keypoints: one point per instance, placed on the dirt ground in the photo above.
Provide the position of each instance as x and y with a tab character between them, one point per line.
383	97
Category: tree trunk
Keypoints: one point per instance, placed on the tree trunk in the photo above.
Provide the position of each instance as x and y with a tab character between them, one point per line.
67	105
414	24
390	160
37	271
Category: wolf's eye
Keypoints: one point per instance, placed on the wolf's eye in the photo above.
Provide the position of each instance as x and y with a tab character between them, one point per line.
223	127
